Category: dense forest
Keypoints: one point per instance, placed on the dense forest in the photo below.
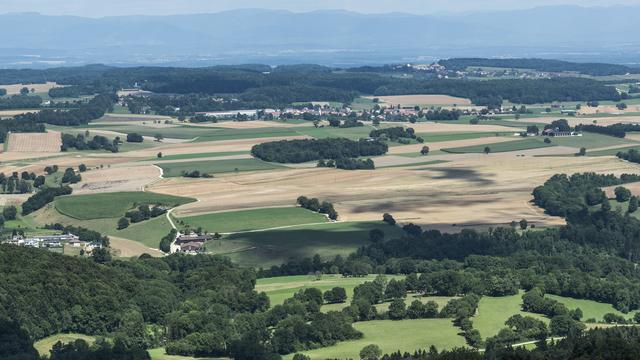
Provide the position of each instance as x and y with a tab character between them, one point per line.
596	69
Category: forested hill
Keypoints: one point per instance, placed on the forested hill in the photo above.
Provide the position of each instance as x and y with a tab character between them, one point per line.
261	86
596	69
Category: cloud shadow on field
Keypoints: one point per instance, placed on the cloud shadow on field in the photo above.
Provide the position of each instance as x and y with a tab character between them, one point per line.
415	204
462	173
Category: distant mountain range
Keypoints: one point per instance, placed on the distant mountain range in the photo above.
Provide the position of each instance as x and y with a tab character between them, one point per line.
337	38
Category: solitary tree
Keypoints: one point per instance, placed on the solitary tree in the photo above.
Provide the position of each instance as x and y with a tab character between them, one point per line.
425	150
524	224
159	137
370	352
487	150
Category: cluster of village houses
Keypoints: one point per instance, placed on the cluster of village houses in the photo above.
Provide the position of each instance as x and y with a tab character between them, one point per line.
53	242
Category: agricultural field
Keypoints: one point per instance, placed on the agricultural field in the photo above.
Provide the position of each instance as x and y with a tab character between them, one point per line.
14	89
111	205
176	169
249	220
272	247
391	336
48	142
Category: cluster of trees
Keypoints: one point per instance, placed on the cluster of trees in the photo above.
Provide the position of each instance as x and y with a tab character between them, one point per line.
611	130
315	205
141	213
20	102
135	138
393	133
70	177
43	197
98	142
632	155
19	126
86	112
564	195
299	151
20	183
443	114
195	174
355	164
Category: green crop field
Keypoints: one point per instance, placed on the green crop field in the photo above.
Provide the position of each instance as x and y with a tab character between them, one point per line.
273	247
45	345
590	141
612	152
247	220
494	311
166	157
111	205
391	336
516	145
148	232
439	137
213	167
590	309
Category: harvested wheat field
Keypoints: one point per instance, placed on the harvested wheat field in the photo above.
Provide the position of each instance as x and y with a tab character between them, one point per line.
253	124
117	178
39	88
443	127
485	190
48	142
415	148
207	147
11	113
129	248
410	100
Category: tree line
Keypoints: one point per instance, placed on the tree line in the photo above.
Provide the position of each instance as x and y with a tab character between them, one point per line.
299	151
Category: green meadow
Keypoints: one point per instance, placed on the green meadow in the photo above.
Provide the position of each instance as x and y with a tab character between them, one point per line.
273	247
247	220
112	205
213	167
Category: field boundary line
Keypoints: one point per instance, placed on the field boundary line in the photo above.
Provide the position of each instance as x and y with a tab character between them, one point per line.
286	227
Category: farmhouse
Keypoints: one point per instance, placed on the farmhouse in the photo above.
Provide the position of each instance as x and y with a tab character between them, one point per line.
557	133
190	243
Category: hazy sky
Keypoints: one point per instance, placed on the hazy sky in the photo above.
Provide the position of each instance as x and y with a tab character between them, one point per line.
97	8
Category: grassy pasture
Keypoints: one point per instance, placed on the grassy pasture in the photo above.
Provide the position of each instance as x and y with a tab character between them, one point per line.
198	155
590	309
440	137
45	345
111	205
148	232
247	220
403	335
516	145
612	152
590	141
273	247
494	311
213	167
